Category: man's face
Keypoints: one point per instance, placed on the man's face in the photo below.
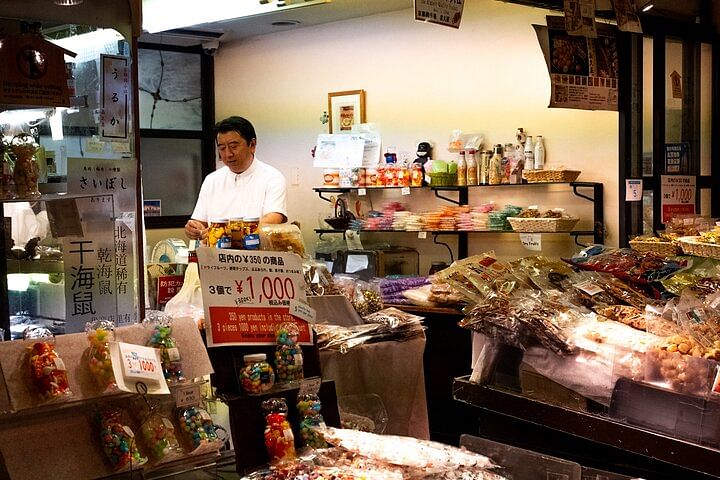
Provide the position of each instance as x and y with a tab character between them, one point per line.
234	151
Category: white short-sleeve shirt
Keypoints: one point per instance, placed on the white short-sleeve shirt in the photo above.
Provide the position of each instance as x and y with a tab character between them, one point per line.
259	190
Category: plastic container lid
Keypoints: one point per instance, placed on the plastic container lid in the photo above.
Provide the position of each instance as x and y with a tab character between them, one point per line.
217	220
252	219
255	357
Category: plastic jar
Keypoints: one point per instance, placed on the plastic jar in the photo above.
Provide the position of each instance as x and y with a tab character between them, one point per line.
162	339
237	232
217	229
279	438
288	355
118	440
257	375
251	238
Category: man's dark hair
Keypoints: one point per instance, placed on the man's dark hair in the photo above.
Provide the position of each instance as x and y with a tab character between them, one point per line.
236	124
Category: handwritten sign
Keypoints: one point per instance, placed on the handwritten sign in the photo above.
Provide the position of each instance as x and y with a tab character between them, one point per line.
115	97
248	294
677	196
188	396
531	241
440	12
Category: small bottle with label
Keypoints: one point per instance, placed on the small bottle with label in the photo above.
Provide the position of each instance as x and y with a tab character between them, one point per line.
237	232
461	169
485	166
529	152
472	167
494	173
251	239
539	153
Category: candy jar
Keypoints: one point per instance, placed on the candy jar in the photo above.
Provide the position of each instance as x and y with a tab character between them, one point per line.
118	439
47	370
279	439
158	433
288	355
257	375
198	429
26	169
162	339
308	407
100	333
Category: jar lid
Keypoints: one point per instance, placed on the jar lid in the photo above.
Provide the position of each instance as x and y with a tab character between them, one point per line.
255	357
217	220
237	219
252	219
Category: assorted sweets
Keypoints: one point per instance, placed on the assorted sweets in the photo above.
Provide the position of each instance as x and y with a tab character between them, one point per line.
288	355
161	338
197	429
308	407
99	335
48	373
279	438
257	375
117	439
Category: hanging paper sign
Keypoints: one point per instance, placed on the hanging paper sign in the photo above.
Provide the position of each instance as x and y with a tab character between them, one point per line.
115	97
677	196
676	84
531	241
633	190
441	12
248	294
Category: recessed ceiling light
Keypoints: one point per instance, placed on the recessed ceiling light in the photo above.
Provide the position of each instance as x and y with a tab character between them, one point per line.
67	3
285	23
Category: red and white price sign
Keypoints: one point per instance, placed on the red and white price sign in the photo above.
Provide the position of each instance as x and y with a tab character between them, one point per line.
137	364
677	196
247	294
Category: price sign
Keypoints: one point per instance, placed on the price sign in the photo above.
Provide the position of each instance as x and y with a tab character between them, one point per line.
531	241
362	192
134	364
633	190
422	234
248	294
405	191
188	396
677	196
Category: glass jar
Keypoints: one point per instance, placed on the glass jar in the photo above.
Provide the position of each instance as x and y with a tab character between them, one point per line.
251	237
308	407
217	229
100	333
26	171
257	375
237	232
288	355
279	438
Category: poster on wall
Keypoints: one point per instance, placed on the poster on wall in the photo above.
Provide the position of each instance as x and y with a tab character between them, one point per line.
583	71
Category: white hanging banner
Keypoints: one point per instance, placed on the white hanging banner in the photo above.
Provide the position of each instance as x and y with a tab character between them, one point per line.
531	241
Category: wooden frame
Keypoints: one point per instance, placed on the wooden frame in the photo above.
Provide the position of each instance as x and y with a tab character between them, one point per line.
346	109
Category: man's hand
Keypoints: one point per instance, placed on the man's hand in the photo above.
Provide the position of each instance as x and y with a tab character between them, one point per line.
273	217
195	229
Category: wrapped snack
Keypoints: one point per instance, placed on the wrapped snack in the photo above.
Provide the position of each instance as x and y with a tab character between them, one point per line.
627	314
627	264
279	438
392	317
308	407
161	338
118	439
47	370
284	237
198	429
158	433
288	355
257	375
367	298
26	171
346	284
100	334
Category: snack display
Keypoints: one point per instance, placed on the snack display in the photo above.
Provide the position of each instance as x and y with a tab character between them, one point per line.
284	237
159	436
198	429
118	439
279	438
47	370
257	375
626	314
308	407
161	338
99	334
367	298
288	355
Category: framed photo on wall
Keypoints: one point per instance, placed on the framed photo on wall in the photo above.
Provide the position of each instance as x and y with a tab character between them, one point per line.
345	110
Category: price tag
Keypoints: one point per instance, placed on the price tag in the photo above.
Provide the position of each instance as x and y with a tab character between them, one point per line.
93	145
405	191
531	241
589	287
140	363
633	190
422	234
188	396
310	386
362	192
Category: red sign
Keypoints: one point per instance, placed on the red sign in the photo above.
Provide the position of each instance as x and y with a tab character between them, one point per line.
253	325
168	286
671	211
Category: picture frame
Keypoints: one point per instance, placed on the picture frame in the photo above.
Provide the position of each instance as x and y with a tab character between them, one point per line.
345	109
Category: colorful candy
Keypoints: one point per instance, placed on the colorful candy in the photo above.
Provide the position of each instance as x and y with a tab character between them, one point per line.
198	428
159	435
288	355
47	370
257	375
169	353
308	407
99	334
118	440
279	438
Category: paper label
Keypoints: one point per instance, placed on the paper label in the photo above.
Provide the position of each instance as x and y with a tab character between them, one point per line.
128	431
310	386
204	415
173	354
188	396
140	363
422	235
405	191
633	190
589	287
362	192
298	359
531	241
59	364
167	423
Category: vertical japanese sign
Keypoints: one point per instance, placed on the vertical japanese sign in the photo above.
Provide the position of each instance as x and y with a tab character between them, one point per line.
115	97
440	12
114	177
677	196
247	294
677	158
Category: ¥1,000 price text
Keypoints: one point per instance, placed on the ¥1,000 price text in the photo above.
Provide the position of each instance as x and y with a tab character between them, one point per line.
270	289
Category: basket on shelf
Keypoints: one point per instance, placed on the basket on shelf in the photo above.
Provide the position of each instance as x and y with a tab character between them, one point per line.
548	176
661	248
529	225
443	179
693	246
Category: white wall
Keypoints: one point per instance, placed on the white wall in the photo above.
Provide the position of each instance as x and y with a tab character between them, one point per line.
421	82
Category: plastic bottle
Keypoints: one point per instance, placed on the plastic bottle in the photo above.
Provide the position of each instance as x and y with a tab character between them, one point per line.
529	152
539	153
462	169
472	167
494	174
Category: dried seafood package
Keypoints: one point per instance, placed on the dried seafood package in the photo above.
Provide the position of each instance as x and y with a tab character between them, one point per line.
627	264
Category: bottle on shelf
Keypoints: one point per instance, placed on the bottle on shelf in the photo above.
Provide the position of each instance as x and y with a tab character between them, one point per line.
529	152
494	173
472	167
485	166
461	169
539	156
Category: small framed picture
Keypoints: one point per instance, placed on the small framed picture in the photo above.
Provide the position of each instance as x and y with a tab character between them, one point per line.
345	110
152	208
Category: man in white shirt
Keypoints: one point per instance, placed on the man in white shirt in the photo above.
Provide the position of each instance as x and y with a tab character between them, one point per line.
244	187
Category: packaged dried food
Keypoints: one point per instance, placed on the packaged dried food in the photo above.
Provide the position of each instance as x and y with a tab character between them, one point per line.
629	315
283	237
627	264
367	298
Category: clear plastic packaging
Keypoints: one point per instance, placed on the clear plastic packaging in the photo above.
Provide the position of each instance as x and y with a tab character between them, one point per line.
100	333
161	338
367	298
158	433
257	375
308	407
279	438
198	430
283	237
26	171
47	370
288	355
118	440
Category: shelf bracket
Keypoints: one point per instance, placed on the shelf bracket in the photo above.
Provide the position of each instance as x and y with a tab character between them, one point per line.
435	241
447	199
597	201
575	235
320	194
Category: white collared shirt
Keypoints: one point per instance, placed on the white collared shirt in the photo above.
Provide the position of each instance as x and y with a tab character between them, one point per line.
259	190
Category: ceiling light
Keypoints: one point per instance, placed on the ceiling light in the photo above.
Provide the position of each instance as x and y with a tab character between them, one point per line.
67	3
648	6
285	23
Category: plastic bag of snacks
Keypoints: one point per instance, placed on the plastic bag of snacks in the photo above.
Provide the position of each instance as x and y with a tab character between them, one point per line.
117	439
279	438
308	407
367	298
100	333
47	370
161	338
288	355
158	433
198	430
284	237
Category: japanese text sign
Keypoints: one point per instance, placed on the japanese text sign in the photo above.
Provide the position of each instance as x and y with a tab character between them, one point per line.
441	12
247	294
677	196
115	97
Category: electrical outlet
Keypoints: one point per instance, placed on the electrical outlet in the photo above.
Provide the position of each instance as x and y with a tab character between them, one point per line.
295	176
